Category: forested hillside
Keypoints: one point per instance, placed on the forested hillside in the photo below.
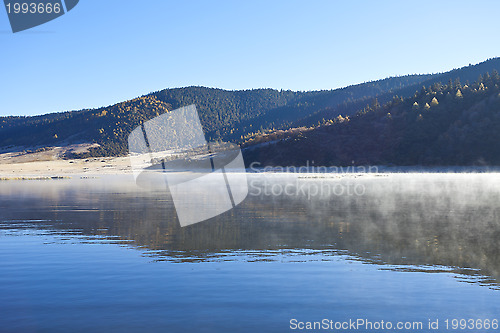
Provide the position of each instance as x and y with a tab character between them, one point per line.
225	115
441	124
237	116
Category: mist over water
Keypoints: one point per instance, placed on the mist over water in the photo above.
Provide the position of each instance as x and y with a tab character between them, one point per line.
298	226
414	219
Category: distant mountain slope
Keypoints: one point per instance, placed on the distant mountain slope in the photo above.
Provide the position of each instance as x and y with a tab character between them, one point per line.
442	124
227	115
465	74
305	109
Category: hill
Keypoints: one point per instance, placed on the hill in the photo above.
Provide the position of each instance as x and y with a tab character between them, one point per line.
442	124
237	116
225	115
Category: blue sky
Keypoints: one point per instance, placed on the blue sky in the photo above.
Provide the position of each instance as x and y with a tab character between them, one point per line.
107	51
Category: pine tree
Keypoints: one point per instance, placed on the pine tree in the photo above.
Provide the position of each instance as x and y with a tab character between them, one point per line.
494	76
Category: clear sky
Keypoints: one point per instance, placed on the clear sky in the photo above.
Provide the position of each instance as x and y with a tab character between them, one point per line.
107	51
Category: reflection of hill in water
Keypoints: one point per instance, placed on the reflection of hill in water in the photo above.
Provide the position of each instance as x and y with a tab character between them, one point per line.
428	223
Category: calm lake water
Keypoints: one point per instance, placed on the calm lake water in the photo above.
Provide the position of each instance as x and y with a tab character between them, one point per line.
102	255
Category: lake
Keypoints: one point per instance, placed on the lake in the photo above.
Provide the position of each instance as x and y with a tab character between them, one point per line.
302	251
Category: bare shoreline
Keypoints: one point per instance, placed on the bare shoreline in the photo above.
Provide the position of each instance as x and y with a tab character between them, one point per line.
100	166
51	164
61	168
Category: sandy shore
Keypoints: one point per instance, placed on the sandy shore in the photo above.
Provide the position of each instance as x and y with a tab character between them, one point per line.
50	162
54	168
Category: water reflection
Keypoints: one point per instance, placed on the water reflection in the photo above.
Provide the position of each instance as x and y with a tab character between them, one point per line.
430	223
